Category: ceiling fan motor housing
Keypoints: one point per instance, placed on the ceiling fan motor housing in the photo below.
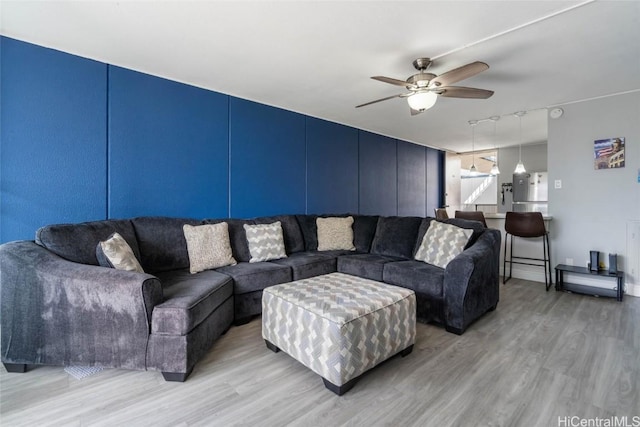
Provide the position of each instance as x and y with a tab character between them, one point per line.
422	64
420	80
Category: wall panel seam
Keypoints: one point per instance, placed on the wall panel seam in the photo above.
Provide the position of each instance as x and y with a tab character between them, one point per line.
108	146
228	156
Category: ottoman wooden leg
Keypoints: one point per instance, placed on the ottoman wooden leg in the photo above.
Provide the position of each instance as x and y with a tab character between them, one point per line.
340	389
271	346
407	351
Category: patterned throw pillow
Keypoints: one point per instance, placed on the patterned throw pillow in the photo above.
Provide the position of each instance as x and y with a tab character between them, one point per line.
266	241
116	253
442	243
208	246
335	234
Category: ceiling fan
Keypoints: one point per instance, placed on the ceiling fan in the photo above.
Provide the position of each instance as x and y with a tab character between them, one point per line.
424	88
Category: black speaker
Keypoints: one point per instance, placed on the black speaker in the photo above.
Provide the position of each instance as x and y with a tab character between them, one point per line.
594	256
613	263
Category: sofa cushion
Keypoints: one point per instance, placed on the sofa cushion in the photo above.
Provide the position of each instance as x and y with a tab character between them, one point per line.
477	227
162	243
116	253
265	241
368	266
308	264
77	242
208	246
442	243
424	279
396	236
188	300
237	236
249	277
364	228
422	230
293	240
335	233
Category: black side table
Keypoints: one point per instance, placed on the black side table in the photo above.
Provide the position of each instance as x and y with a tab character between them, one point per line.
617	292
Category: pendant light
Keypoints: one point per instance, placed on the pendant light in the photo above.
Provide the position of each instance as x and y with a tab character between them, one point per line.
520	166
473	171
495	170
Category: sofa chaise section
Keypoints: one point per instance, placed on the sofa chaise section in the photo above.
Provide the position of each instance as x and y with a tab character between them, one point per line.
59	312
59	307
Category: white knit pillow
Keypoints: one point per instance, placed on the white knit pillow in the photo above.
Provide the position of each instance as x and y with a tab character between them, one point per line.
118	254
208	246
442	243
335	234
266	241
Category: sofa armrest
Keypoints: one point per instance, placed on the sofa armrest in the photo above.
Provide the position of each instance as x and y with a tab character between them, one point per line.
471	282
57	312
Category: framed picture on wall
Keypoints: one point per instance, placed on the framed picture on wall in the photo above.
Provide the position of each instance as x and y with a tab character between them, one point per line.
608	153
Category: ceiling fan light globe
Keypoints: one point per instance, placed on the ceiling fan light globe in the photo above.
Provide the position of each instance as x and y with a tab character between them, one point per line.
421	101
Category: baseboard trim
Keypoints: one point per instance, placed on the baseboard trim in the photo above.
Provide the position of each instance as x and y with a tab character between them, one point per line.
534	276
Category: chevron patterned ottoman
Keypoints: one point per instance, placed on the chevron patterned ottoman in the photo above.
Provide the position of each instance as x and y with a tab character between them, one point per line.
338	325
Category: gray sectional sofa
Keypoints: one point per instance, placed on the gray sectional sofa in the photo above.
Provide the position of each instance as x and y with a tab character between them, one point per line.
59	307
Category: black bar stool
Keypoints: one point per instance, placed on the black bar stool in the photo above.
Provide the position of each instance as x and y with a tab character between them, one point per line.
472	215
526	225
441	213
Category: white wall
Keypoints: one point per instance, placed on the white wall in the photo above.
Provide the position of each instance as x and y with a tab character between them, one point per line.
453	184
596	209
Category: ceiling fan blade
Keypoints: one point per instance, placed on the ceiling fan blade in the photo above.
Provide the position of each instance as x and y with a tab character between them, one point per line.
393	81
381	99
464	92
459	73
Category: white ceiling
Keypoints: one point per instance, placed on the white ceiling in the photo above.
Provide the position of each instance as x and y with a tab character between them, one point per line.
316	57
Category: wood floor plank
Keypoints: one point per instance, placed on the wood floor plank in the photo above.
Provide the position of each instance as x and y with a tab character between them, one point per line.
539	356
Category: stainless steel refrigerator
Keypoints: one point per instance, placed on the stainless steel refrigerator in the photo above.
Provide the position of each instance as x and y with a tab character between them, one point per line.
530	192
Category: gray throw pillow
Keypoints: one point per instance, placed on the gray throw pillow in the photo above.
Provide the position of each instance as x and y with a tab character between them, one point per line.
442	243
335	234
208	246
266	241
116	253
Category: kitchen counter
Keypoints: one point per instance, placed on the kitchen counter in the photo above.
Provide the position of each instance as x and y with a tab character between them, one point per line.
502	216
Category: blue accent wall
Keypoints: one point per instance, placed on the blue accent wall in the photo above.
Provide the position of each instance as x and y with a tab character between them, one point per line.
81	141
378	175
267	160
53	139
435	180
332	167
168	148
412	179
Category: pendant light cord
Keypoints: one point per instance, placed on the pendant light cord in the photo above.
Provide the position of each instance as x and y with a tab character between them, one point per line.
520	146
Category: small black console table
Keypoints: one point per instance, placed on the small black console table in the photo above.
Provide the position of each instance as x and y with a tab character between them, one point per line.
617	292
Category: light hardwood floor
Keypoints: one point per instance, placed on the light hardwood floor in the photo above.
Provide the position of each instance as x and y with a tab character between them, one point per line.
539	356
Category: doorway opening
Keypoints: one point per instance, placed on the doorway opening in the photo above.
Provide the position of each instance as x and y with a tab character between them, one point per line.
468	191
